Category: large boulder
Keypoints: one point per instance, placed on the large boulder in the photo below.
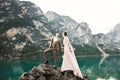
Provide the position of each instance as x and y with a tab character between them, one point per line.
48	72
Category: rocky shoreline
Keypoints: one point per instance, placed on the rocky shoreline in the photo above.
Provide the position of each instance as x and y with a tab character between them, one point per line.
48	72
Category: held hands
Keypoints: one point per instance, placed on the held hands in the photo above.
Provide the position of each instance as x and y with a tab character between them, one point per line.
62	49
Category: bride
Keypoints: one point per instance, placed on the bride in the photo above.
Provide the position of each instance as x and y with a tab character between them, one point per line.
69	58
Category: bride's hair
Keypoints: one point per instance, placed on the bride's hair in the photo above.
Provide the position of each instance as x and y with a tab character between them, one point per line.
65	33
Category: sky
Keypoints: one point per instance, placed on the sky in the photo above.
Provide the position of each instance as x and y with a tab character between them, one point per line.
101	15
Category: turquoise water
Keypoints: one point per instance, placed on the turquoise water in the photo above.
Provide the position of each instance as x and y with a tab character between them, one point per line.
96	68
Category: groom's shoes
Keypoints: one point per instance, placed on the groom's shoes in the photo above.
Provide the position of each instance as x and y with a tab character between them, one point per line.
46	62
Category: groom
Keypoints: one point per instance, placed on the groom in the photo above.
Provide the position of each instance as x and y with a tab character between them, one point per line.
55	45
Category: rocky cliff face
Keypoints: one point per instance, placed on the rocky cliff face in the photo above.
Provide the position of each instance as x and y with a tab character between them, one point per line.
82	32
22	24
114	35
110	40
100	39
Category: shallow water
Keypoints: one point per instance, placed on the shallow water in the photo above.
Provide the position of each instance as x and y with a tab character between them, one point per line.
96	68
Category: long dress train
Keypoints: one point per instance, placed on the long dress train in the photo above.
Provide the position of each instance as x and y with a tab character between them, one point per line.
69	59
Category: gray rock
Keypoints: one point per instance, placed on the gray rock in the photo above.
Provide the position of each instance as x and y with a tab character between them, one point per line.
48	72
27	76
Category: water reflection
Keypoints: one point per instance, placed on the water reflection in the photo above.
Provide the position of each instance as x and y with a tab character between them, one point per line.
96	68
12	69
8	69
111	78
102	60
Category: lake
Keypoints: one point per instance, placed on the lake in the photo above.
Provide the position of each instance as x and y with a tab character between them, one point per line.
95	67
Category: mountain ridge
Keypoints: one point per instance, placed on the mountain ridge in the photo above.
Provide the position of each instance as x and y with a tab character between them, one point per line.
83	34
23	24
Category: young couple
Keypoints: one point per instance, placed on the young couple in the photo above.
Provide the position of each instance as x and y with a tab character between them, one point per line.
69	59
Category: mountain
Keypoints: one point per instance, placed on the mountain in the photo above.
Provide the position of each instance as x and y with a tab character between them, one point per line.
109	42
22	25
80	34
114	37
81	31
